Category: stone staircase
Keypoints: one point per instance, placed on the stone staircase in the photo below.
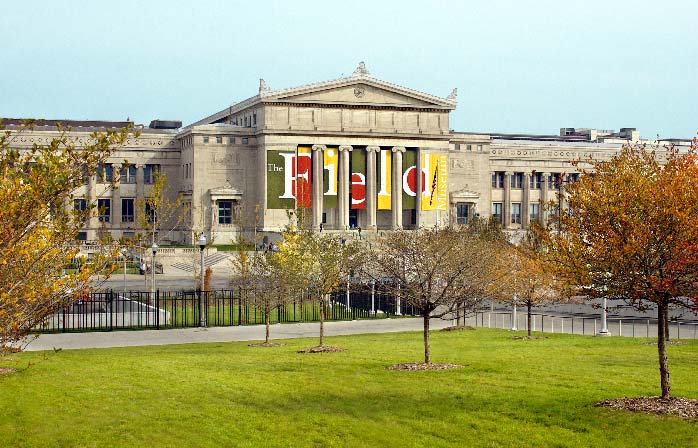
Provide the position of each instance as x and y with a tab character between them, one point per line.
211	260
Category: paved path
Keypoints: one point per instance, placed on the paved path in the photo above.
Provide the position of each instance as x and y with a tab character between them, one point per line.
223	334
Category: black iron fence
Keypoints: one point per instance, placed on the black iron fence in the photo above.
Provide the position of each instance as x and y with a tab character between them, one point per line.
139	310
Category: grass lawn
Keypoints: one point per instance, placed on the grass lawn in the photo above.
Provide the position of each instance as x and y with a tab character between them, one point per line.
510	393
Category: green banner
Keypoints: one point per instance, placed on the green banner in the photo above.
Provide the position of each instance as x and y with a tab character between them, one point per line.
409	179
280	179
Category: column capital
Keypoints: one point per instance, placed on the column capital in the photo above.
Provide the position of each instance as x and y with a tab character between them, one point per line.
348	148
508	173
116	165
399	149
139	165
373	149
319	147
527	173
546	174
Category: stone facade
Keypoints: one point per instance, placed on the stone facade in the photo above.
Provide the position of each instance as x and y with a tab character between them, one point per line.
358	135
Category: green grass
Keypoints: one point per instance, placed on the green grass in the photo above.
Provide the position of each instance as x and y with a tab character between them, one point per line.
510	393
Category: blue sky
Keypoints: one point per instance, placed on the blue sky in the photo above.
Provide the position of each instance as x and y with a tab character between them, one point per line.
519	66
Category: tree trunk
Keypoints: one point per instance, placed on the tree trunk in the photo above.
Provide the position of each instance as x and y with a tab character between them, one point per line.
528	316
266	323
322	321
427	352
662	322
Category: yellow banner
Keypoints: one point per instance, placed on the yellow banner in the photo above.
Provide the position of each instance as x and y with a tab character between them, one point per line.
384	178
435	174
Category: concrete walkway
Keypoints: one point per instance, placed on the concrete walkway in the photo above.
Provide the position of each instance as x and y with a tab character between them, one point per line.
68	341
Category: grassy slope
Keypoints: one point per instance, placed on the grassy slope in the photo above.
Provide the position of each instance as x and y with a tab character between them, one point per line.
511	393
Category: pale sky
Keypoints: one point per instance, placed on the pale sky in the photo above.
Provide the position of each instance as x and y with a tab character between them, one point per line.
519	66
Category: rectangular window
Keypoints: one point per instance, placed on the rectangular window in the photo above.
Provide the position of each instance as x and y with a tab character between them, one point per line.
205	139
254	118
82	236
150	172
245	140
533	212
574	177
462	211
498	179
232	140
128	174
104	209
127	208
105	173
555	180
536	181
497	211
456	146
225	212
517	180
479	148
516	213
79	205
469	147
219	139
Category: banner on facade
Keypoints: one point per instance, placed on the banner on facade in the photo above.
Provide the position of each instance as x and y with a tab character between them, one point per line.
435	176
303	172
281	179
384	170
358	178
329	176
409	179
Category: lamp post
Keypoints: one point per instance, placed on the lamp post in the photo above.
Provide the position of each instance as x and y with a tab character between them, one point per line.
124	251
154	249
604	326
514	317
202	314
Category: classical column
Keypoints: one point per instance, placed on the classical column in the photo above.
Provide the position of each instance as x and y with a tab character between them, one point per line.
524	200
116	195
419	188
544	198
317	199
396	190
507	199
371	185
344	187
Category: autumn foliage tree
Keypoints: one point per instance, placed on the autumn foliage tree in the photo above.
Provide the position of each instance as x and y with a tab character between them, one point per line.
319	263
438	271
40	226
630	232
530	281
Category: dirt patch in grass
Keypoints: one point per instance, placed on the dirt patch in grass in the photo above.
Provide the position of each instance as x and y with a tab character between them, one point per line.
679	407
414	366
266	344
6	370
529	337
322	349
458	328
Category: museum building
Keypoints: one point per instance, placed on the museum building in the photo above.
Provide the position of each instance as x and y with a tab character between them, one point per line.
354	152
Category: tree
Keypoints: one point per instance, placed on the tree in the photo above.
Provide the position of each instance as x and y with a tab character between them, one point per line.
530	280
630	232
316	262
438	271
40	225
159	214
258	275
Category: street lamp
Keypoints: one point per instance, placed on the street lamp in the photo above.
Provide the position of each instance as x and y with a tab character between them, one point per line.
604	326
124	251
153	248
202	314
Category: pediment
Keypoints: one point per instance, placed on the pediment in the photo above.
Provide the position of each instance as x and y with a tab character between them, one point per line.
225	192
364	91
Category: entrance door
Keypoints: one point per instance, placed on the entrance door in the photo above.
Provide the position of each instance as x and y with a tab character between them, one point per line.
353	218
